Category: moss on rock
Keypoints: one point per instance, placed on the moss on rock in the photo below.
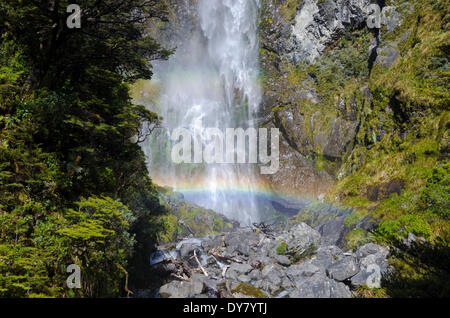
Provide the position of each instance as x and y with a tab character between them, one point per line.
248	290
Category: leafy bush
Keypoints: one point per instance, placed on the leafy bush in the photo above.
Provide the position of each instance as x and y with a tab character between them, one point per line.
281	249
98	235
405	224
357	238
436	194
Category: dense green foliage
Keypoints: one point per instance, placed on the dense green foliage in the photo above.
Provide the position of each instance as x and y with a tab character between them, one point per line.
74	187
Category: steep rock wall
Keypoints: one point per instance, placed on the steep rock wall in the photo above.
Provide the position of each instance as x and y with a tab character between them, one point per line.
316	57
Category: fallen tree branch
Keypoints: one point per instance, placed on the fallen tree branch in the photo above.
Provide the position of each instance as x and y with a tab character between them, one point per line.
129	292
262	240
224	270
263	228
179	277
225	259
182	268
199	264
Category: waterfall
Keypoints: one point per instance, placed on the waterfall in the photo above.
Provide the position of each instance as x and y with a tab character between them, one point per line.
211	81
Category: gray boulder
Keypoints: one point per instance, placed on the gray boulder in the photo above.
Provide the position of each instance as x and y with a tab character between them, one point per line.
367	276
241	241
255	275
373	263
302	237
187	250
343	269
297	272
325	256
282	260
236	271
273	279
370	249
182	289
320	286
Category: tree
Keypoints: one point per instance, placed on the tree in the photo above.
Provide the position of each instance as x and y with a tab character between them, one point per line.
69	131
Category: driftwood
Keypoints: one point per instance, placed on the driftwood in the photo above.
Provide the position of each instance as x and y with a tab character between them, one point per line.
263	228
224	259
184	278
129	292
224	270
183	270
258	265
199	264
261	241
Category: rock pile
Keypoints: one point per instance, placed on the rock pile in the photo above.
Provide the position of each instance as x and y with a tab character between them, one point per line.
244	263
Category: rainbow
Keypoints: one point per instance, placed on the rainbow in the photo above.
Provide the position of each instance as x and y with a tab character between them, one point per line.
241	187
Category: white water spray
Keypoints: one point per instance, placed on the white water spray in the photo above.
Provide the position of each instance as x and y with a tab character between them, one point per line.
211	81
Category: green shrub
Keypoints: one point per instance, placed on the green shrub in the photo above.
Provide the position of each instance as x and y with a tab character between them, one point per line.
436	194
356	238
352	219
405	224
281	249
310	251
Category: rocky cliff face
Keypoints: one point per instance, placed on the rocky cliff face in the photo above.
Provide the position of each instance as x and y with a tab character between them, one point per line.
318	24
317	57
363	111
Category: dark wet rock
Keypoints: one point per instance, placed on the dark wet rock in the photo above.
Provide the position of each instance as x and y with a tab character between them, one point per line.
328	231
298	174
342	133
